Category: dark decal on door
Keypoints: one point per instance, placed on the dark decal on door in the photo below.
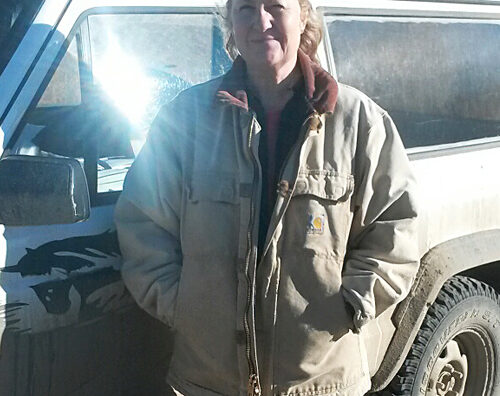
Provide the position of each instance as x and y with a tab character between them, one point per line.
74	257
62	254
54	295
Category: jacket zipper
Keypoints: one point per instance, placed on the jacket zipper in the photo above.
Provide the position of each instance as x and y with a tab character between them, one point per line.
253	388
253	380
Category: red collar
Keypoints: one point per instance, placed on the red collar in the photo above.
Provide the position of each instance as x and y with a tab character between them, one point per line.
321	88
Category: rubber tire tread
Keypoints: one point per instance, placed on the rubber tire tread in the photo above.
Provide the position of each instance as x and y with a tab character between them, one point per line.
455	290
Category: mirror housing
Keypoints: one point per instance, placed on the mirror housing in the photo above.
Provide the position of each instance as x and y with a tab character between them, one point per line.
42	191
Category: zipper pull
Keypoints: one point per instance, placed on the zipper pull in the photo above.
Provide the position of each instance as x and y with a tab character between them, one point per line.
253	385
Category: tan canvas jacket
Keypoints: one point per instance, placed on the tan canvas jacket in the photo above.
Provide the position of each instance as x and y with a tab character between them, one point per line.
341	247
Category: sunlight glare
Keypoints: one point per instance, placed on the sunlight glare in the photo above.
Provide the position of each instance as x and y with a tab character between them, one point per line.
124	80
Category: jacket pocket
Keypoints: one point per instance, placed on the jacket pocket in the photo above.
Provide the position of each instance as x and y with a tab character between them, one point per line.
210	220
328	185
221	187
318	216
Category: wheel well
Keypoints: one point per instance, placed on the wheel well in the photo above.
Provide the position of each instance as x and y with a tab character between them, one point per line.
461	323
487	273
481	251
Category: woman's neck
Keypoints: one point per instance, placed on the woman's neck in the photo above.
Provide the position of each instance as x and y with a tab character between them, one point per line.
273	87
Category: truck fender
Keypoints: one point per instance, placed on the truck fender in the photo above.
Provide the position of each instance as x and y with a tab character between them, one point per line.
437	265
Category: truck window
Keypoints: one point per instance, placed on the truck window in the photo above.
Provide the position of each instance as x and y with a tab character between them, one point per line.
117	72
439	79
64	87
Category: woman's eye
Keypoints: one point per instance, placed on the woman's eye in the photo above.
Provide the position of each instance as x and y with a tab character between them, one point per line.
276	8
246	8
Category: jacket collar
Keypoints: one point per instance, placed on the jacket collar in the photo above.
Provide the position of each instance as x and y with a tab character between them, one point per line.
321	89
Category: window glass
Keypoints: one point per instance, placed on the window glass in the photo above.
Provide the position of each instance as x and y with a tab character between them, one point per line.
50	129
143	61
140	63
116	74
438	79
64	87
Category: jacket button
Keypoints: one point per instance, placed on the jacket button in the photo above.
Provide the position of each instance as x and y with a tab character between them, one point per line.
316	123
283	188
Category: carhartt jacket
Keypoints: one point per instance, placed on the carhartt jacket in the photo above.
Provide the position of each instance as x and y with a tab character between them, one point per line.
341	246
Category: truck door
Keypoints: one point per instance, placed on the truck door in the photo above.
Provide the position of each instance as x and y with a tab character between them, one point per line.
91	92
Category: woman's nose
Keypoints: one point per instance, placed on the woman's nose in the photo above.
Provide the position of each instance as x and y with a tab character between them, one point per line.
263	19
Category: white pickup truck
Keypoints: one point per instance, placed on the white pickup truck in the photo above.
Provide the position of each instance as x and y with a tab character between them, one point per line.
80	82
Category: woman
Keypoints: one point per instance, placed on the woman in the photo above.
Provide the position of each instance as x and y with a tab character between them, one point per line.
268	288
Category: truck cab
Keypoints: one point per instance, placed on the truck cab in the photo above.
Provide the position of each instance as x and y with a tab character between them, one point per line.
81	82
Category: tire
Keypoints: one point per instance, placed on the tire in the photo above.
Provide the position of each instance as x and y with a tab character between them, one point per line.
457	349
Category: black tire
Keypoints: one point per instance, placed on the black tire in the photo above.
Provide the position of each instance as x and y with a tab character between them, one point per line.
457	349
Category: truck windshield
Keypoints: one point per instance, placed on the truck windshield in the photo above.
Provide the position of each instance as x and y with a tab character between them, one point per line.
15	19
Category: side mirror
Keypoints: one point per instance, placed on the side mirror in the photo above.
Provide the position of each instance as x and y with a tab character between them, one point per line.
42	191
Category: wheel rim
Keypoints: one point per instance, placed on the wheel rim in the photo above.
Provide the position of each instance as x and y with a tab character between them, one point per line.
449	374
470	351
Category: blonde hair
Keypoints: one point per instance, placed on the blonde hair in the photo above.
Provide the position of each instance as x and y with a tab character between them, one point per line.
309	40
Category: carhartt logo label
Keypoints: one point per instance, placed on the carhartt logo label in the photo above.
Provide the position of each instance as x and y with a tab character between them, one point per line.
316	224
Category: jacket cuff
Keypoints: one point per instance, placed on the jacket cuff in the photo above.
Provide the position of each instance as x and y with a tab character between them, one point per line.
360	317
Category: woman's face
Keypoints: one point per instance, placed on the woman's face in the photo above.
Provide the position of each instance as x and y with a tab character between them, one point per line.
267	32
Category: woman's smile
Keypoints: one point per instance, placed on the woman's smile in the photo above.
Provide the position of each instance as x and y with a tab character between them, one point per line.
262	39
